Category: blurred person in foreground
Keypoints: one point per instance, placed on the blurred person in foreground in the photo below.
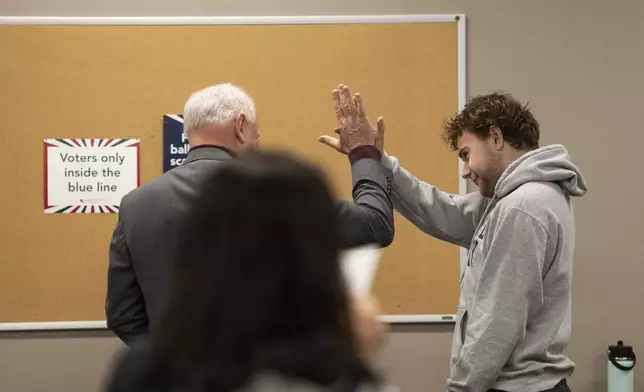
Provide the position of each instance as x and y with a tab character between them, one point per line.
221	124
257	300
514	314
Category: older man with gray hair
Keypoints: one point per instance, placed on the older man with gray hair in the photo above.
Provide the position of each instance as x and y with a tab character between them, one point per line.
220	123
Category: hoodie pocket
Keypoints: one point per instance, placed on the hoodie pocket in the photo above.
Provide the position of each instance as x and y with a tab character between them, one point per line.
458	338
463	326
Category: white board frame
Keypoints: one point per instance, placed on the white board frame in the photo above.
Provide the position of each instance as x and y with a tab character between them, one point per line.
259	20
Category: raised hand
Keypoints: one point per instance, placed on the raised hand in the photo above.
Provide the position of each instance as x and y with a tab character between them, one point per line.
353	126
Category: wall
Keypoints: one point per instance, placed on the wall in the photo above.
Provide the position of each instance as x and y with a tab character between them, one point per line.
578	67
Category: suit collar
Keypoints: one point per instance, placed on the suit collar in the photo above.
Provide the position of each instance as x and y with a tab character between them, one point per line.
209	152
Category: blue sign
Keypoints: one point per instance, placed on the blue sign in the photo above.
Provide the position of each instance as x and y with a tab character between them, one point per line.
175	144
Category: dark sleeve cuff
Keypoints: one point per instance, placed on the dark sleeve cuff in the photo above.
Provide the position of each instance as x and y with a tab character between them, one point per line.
364	152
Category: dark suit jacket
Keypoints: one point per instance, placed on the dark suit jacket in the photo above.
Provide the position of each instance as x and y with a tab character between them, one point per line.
145	238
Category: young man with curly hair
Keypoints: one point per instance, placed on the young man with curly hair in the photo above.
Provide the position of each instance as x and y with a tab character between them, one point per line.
514	312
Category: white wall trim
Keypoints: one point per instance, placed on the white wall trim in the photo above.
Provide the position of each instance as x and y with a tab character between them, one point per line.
419	319
102	325
225	20
52	326
462	98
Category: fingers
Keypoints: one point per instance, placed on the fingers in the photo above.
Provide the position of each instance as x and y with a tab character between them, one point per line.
337	103
347	99
345	104
349	105
331	142
379	142
360	106
380	128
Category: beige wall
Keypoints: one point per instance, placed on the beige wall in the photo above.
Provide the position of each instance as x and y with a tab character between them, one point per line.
582	71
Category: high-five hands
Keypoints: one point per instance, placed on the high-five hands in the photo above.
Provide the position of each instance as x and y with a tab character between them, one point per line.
353	128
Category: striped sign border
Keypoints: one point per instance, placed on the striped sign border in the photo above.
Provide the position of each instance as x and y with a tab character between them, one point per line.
92	143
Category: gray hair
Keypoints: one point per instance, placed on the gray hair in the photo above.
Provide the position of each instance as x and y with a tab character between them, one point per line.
217	105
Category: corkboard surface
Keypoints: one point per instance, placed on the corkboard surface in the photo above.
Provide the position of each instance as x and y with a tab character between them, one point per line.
118	81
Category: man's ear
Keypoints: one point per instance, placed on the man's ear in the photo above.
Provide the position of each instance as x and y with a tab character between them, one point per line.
497	137
240	121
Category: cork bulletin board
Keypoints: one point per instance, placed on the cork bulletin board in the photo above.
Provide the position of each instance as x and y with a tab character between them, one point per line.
109	78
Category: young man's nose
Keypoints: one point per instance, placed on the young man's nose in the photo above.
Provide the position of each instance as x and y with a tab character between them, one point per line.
466	171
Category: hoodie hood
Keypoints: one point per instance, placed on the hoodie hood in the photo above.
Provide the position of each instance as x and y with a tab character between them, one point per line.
545	164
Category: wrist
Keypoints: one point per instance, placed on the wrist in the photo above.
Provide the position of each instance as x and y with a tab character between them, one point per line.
365	151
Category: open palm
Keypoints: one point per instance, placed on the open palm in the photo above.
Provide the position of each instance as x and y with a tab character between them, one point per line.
353	126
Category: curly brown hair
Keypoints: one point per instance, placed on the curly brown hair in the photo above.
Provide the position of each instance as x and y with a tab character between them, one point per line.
518	126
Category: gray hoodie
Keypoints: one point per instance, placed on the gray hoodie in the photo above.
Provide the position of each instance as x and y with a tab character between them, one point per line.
514	313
